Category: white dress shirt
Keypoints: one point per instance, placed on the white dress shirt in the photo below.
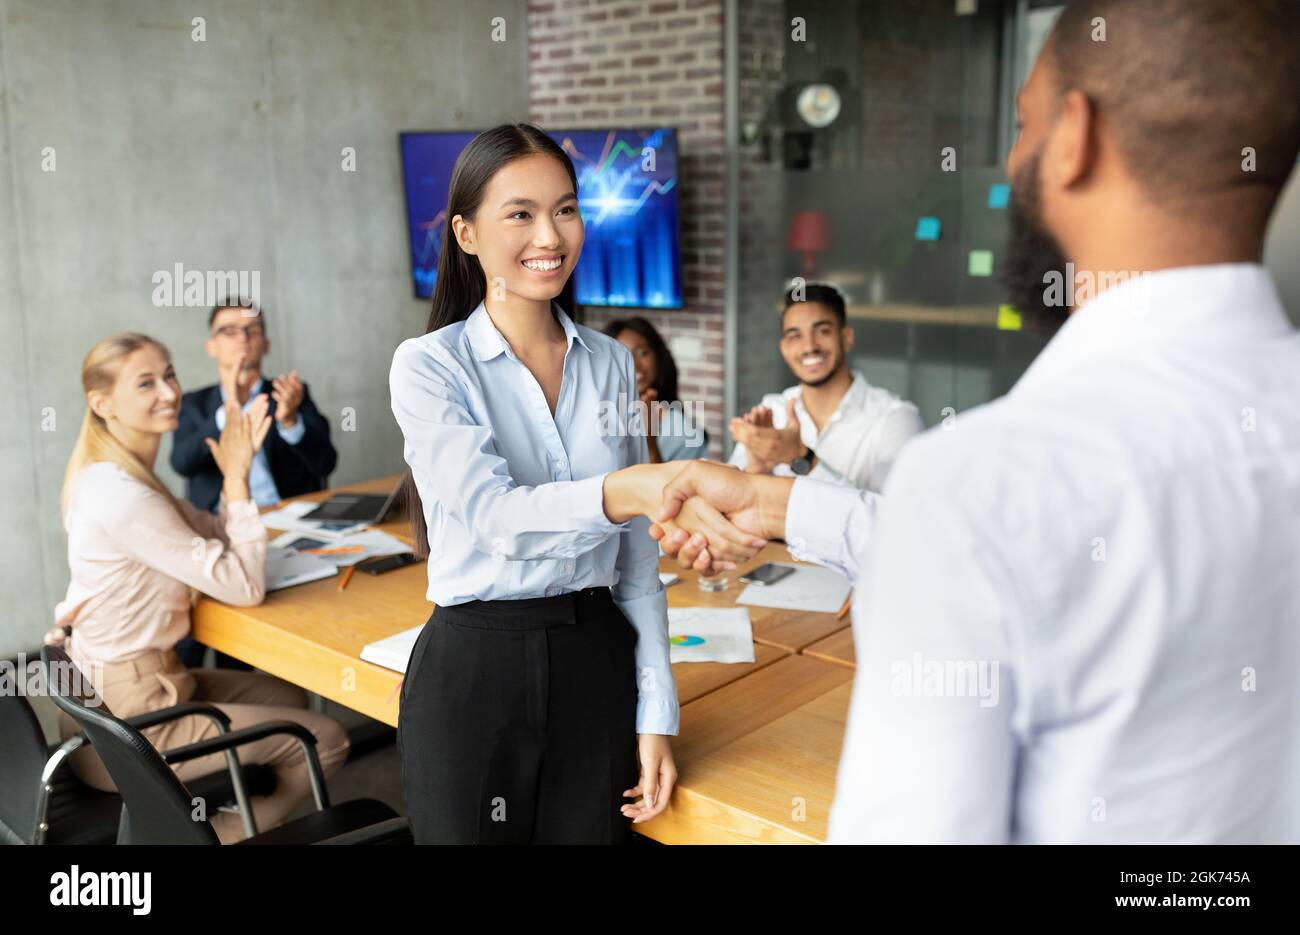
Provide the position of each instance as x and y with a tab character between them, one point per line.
1121	536
513	497
858	444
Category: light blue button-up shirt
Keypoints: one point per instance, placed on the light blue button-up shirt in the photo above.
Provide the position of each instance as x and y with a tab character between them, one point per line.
260	482
513	497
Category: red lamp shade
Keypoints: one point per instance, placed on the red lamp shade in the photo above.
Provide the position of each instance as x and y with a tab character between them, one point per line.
810	234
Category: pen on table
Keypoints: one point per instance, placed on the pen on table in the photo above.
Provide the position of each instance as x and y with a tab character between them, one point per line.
844	611
347	576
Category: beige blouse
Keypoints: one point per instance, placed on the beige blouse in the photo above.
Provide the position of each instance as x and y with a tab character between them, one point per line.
133	561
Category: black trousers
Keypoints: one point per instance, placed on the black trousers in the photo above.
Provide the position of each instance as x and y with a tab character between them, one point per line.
518	722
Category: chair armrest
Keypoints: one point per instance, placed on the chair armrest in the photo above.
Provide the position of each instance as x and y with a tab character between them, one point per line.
392	831
139	722
178	711
254	733
174	713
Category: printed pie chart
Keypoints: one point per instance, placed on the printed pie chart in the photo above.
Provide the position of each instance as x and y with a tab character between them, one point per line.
686	640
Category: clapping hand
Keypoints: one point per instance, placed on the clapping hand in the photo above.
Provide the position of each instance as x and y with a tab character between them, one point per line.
286	390
240	440
768	446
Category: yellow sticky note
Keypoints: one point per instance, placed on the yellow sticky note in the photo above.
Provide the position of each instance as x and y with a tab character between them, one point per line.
1008	318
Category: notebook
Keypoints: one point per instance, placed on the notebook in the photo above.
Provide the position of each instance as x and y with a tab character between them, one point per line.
392	652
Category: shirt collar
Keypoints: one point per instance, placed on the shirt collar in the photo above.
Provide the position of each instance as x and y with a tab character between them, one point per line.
1205	304
487	342
855	397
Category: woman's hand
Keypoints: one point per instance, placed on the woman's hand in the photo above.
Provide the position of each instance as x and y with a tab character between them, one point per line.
240	440
57	636
648	397
658	776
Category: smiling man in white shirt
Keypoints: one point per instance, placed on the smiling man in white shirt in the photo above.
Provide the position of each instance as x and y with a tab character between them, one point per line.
832	425
1077	616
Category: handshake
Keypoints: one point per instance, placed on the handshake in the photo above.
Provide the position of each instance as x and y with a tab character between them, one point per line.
711	516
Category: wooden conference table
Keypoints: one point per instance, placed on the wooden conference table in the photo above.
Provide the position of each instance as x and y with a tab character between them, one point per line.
759	742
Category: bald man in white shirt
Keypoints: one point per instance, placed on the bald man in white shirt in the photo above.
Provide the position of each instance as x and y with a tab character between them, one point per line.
1077	611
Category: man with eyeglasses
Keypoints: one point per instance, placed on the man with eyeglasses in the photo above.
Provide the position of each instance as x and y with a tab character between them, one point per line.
295	459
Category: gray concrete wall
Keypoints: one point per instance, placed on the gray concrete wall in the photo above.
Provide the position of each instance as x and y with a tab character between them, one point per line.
223	154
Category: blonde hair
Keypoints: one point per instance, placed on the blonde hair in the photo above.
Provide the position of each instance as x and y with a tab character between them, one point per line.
100	371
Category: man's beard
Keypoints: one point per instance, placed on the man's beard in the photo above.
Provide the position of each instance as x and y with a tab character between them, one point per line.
840	363
1032	252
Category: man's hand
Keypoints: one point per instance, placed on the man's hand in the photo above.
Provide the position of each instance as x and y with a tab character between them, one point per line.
639	491
237	382
286	390
755	504
721	546
768	446
760	416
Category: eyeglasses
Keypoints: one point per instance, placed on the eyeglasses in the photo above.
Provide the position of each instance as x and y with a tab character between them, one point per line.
230	331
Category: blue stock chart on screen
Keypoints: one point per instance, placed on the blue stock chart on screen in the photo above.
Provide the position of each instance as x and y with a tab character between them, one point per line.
627	194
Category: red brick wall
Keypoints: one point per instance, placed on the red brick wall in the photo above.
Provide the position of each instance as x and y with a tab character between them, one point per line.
596	63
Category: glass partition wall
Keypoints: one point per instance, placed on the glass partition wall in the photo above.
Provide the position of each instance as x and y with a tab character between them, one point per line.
872	137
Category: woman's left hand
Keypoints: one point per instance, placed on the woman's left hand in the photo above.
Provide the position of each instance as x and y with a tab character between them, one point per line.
658	776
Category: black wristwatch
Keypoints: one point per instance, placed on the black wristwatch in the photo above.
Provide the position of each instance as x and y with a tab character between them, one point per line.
804	463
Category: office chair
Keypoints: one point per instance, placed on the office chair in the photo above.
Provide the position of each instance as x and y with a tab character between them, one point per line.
42	801
157	807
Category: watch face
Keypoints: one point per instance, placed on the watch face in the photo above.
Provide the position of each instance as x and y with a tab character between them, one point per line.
800	466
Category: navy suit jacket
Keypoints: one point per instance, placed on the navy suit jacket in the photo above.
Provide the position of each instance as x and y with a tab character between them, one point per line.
297	469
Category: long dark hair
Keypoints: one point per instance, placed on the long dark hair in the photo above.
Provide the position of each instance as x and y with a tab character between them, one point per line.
665	367
461	284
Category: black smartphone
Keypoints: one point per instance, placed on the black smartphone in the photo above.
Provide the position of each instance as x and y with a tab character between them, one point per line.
383	563
767	574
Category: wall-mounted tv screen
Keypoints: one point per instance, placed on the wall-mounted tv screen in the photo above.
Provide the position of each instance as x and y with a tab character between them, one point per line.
627	194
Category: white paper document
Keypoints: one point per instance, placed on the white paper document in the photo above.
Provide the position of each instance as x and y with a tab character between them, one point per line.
345	550
708	634
811	587
285	568
667	578
392	652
